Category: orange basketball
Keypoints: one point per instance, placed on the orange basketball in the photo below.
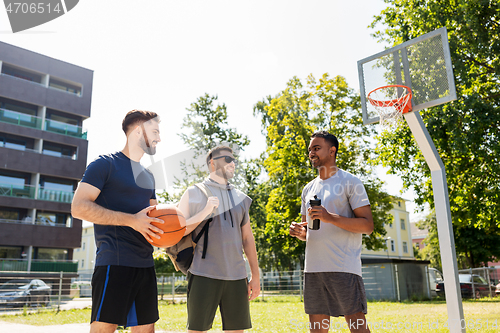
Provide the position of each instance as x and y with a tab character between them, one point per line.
173	228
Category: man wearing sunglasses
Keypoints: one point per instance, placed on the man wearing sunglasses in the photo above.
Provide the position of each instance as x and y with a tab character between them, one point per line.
219	279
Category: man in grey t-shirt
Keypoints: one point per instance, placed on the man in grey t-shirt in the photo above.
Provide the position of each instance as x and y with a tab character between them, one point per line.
333	285
220	278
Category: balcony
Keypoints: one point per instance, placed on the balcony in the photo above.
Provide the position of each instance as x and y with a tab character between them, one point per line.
21	119
65	129
9	190
28	191
38	221
54	195
38	265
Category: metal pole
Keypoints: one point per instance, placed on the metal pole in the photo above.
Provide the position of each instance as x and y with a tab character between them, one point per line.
397	282
162	285
428	282
173	287
472	280
300	286
443	218
487	270
60	291
262	285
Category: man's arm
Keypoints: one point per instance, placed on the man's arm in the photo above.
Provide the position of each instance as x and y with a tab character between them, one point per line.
84	207
251	254
362	223
193	221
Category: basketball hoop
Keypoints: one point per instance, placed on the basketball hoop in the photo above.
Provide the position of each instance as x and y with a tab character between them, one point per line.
390	102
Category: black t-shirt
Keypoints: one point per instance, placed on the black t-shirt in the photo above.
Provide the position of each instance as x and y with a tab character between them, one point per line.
126	186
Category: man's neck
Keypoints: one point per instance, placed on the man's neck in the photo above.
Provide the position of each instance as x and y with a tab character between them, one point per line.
326	171
218	179
134	154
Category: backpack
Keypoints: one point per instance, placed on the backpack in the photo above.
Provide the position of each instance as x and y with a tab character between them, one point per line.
182	253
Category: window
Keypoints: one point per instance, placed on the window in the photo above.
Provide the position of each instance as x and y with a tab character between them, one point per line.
399	203
83	246
417	244
393	246
16	142
58	150
52	218
10	252
21	73
54	184
50	254
405	247
83	263
403	225
65	86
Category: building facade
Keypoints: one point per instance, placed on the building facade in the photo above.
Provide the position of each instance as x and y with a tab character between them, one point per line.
398	237
43	154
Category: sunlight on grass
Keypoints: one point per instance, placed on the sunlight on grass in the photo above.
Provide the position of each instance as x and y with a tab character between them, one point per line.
286	314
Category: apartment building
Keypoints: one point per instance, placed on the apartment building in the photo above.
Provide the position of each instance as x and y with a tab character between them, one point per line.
43	154
398	237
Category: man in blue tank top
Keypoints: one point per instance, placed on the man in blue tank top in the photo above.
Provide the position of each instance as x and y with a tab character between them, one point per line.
116	193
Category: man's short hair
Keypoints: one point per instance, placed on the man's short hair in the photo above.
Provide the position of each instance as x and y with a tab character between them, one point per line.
330	138
137	117
214	152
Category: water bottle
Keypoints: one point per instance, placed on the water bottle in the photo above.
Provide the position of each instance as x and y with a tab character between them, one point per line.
314	202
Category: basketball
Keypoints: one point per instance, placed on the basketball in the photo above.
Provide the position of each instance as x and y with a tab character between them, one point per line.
173	228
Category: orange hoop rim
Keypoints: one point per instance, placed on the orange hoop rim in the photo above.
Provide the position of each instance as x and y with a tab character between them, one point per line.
394	102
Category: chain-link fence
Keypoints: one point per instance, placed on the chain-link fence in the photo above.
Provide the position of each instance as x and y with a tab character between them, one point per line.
65	291
479	282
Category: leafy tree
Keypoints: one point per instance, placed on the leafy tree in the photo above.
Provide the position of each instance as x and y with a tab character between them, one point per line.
205	126
465	132
288	121
163	264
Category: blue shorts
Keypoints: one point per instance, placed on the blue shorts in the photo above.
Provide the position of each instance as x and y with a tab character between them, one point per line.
126	296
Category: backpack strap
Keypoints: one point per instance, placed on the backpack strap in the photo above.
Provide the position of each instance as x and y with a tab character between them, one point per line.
204	231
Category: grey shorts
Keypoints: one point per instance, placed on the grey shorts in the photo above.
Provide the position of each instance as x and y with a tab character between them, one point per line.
334	294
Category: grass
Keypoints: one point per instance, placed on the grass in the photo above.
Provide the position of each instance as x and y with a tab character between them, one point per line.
286	314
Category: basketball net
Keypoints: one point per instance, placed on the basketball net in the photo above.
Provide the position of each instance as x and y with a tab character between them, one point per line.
391	102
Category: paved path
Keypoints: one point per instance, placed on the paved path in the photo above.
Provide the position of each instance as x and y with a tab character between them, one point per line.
77	303
68	328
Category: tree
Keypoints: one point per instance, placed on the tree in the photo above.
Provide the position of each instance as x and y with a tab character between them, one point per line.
206	126
465	132
288	121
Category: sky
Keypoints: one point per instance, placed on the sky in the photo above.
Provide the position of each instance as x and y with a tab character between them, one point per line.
161	55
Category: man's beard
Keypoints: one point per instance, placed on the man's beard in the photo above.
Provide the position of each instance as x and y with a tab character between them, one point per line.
221	172
150	150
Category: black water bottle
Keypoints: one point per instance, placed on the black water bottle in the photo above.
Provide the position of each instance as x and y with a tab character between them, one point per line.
315	202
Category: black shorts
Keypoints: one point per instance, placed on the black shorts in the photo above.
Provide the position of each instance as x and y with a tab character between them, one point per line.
206	294
126	296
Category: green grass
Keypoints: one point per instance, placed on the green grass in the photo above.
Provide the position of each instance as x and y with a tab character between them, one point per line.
286	314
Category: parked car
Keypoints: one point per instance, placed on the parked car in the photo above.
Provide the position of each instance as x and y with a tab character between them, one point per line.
24	292
480	288
497	290
435	277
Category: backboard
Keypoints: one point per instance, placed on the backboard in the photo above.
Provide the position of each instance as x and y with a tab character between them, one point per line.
423	64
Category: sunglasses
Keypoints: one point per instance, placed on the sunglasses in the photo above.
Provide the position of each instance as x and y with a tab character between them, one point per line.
228	159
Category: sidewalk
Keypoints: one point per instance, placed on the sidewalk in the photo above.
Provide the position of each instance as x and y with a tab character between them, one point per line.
76	303
68	328
20	328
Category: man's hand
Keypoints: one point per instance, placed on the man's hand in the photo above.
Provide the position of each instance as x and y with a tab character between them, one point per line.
298	230
212	202
320	213
253	289
142	223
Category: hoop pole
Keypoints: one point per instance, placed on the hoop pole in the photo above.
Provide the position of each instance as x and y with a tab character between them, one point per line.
443	218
